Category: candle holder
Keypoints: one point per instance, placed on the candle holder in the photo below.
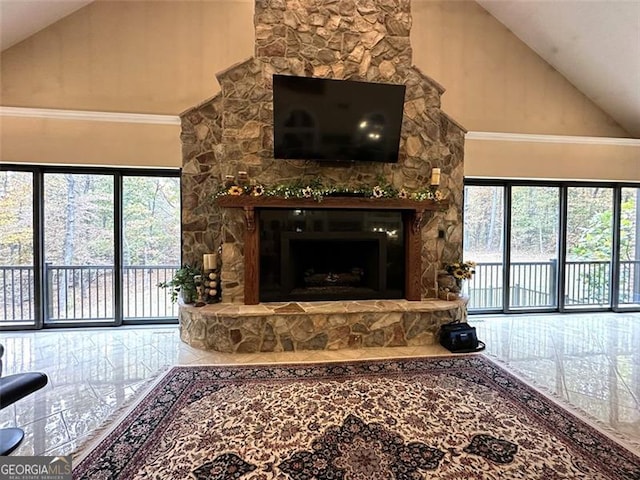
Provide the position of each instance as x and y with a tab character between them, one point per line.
211	278
229	181
243	178
212	286
435	177
197	279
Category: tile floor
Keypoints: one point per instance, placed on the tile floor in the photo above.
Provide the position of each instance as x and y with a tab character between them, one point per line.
588	361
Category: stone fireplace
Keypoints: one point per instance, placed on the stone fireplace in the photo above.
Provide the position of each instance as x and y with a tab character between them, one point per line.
233	131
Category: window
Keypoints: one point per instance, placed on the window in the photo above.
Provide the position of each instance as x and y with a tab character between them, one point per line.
552	246
79	248
484	244
85	246
533	244
629	248
589	247
17	282
150	250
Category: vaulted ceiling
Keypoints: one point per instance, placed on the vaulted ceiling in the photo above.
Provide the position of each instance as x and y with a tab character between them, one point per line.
594	44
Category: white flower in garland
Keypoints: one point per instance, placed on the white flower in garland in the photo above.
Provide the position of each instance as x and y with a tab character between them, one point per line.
257	191
377	192
307	192
403	194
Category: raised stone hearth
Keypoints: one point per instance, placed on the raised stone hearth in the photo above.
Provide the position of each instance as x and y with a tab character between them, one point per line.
278	327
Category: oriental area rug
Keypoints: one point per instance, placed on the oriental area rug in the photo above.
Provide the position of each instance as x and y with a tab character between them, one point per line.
455	418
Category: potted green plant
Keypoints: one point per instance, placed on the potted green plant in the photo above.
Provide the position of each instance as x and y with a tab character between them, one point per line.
182	284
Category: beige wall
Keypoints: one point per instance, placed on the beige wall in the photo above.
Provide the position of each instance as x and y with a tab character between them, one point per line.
495	83
129	56
162	57
76	142
556	161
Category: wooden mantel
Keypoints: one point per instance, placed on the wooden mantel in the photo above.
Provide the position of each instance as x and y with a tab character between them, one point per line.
412	215
250	203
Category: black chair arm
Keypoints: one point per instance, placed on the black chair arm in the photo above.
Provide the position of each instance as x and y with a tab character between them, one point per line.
15	387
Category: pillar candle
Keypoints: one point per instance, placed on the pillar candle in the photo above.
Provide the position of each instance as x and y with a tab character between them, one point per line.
209	261
435	176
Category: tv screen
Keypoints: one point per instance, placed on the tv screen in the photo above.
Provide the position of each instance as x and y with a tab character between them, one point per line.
340	120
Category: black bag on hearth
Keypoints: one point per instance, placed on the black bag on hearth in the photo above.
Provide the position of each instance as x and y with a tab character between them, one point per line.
458	337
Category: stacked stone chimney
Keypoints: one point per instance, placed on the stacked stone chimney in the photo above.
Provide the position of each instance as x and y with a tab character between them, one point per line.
233	131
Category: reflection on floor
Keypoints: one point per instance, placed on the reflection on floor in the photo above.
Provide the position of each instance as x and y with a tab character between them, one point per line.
588	361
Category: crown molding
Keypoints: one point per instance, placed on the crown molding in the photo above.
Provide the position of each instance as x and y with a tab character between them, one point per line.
118	117
566	139
152	119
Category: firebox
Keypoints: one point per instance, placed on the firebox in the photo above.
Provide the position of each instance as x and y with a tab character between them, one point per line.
316	254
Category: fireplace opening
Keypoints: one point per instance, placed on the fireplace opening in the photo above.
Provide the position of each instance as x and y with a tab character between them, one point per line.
330	265
308	255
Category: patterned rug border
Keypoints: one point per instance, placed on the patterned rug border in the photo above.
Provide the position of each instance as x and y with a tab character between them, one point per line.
579	434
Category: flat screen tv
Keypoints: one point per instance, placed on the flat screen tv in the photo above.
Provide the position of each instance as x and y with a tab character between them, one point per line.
336	120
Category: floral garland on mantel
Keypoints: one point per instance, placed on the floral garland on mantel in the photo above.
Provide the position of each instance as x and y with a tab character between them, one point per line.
318	191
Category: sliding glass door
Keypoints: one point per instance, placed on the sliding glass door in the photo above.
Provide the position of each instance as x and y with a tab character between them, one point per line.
629	249
87	246
150	247
17	275
484	241
79	248
533	243
567	246
589	247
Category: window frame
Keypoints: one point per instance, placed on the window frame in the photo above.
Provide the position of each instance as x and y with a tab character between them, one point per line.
117	173
563	187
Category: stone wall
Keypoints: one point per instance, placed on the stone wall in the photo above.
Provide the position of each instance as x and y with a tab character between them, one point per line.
316	325
365	41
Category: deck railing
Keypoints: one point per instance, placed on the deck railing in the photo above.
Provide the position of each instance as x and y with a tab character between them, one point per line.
630	282
534	285
85	294
17	294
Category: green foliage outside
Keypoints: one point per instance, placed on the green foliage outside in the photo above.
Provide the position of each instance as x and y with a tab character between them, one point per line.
595	244
151	221
534	229
79	219
16	218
